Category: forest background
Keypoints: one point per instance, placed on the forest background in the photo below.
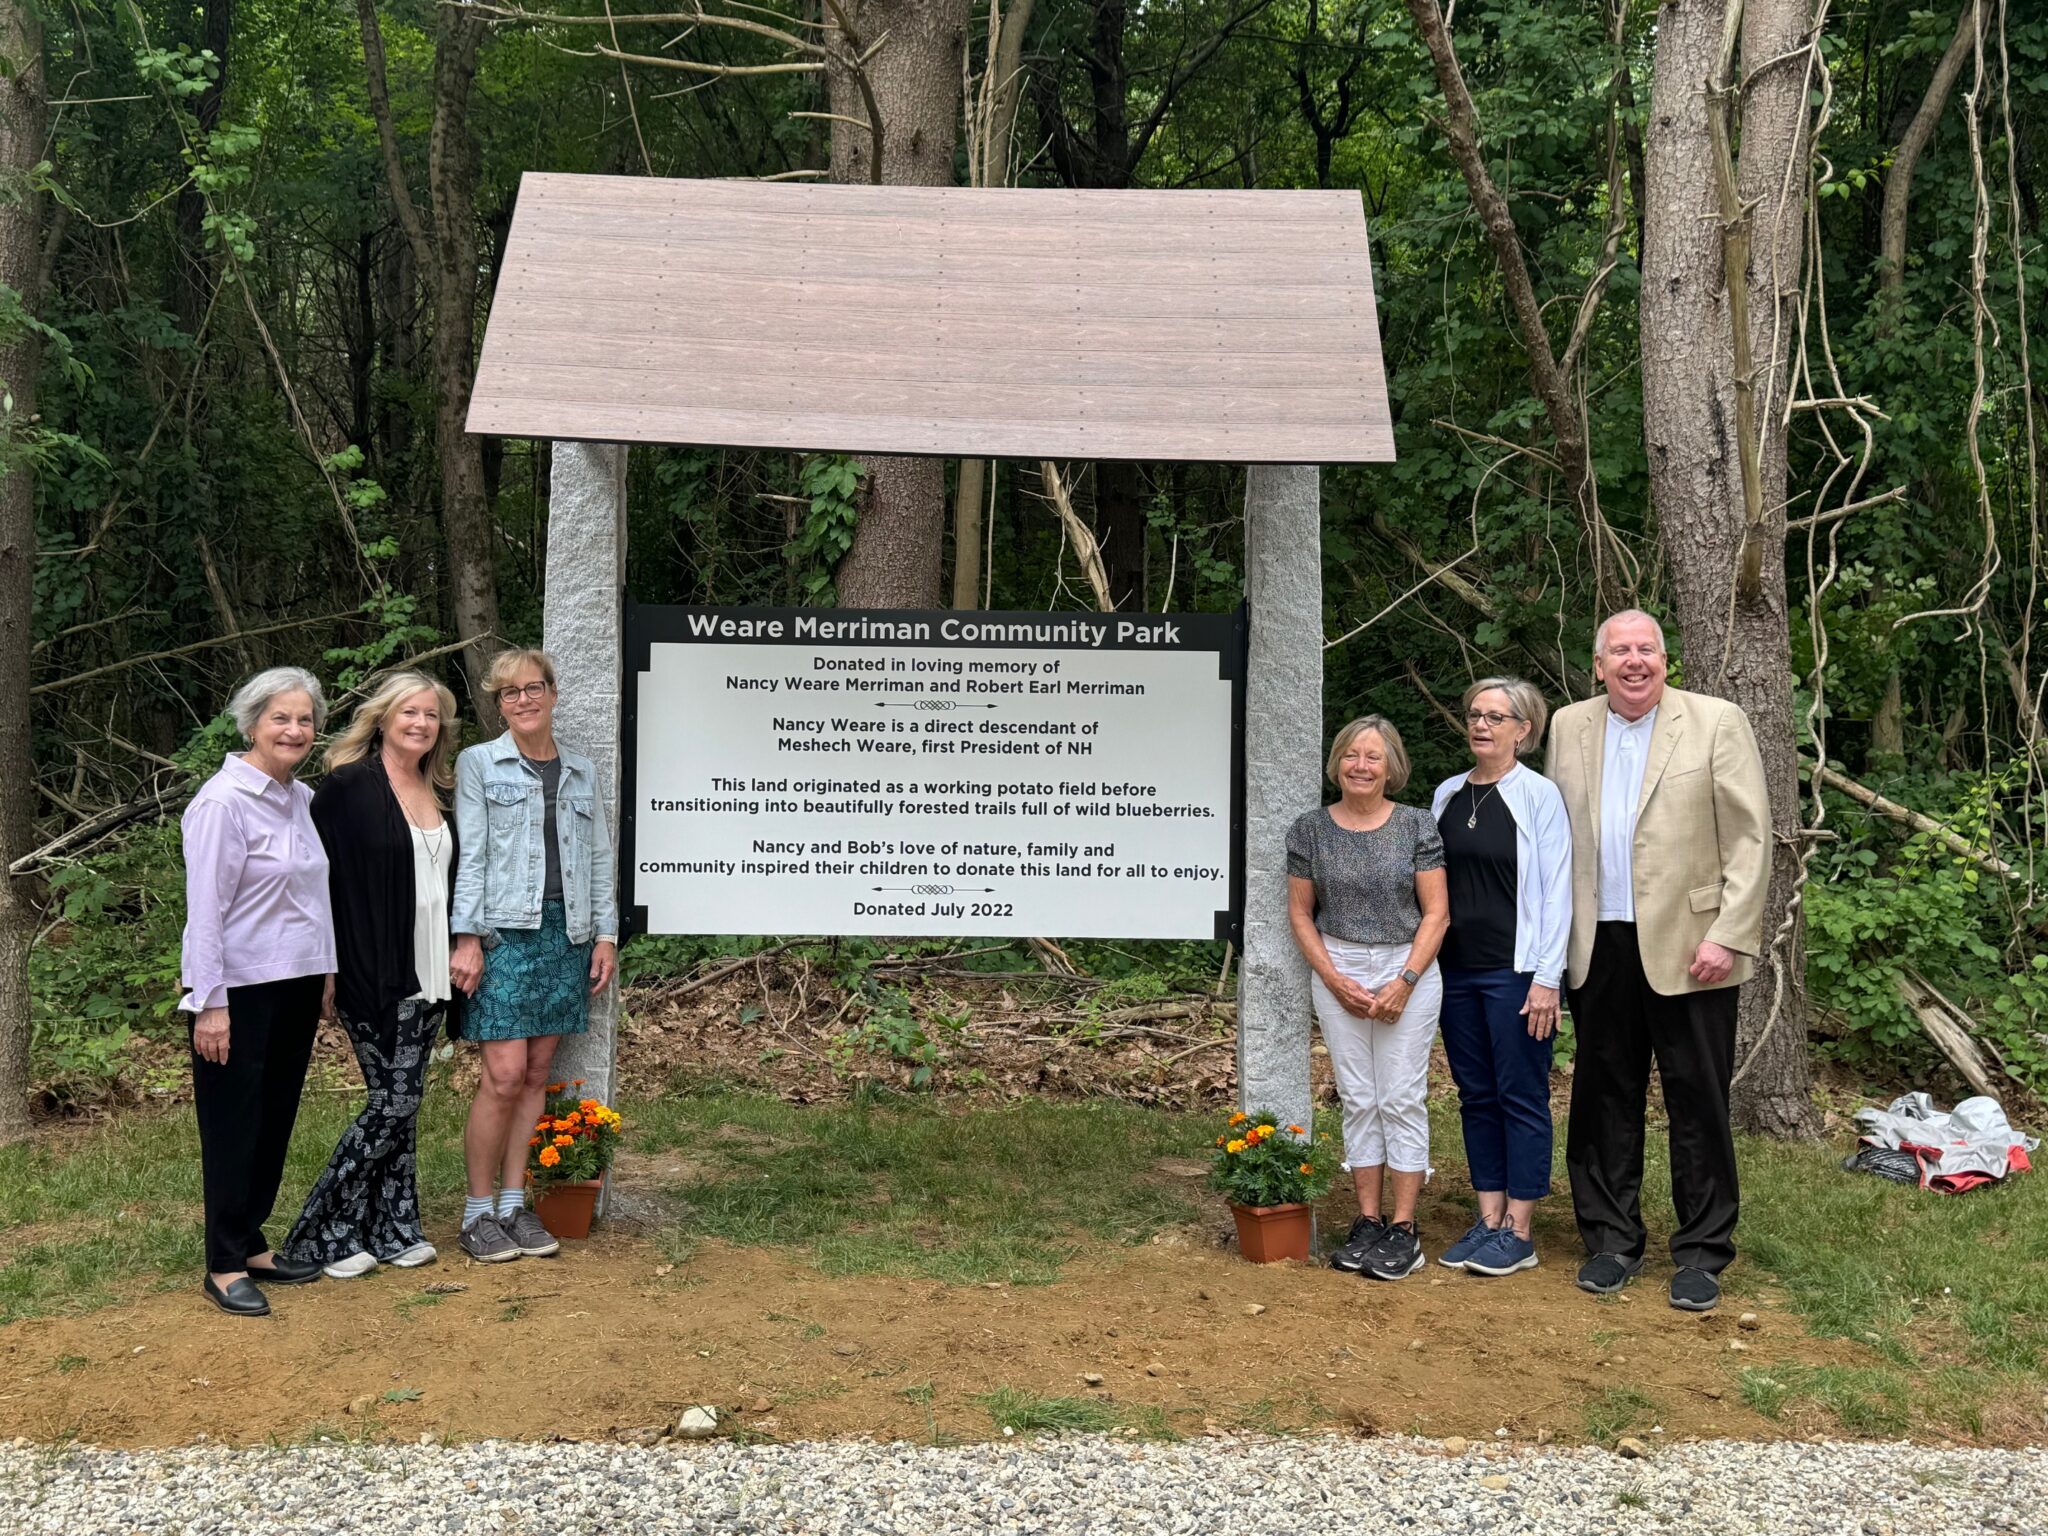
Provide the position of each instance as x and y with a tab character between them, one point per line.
246	250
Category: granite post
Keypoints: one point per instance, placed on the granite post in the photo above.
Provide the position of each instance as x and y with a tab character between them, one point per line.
1283	770
581	629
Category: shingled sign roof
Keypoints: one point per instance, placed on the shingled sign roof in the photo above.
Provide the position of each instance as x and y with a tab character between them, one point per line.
965	322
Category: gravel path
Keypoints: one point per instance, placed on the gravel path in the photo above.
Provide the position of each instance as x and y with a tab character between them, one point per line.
1045	1488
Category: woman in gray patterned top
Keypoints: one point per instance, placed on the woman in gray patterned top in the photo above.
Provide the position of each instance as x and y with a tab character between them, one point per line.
1368	903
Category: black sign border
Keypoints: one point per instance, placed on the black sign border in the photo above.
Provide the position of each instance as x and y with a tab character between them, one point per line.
645	625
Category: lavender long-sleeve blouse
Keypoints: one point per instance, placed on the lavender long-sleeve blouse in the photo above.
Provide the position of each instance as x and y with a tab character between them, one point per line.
256	906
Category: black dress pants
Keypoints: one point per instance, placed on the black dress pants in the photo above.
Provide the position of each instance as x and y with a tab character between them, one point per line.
246	1106
1621	1024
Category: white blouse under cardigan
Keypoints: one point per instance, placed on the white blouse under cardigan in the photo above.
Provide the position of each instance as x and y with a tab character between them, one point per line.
1543	868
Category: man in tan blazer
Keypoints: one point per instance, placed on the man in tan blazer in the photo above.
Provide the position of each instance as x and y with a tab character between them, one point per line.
1670	860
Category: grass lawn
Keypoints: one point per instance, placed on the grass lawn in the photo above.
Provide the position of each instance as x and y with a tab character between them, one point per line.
1946	1298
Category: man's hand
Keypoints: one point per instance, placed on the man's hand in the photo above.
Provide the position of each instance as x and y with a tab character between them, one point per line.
1712	963
210	1035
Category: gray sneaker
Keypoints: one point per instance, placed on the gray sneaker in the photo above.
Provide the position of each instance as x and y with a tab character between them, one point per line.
487	1242
524	1231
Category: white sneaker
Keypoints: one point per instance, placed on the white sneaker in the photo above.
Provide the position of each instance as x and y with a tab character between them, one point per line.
354	1265
413	1257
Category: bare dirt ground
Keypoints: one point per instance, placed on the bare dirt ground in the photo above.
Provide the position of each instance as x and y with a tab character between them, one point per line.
610	1339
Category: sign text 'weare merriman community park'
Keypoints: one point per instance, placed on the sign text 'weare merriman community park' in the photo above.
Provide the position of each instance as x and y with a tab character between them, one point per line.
856	771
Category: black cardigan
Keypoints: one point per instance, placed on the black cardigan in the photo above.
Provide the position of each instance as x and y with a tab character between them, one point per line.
370	884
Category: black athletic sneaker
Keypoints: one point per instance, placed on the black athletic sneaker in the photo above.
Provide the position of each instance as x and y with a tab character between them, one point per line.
1350	1254
1397	1254
1605	1274
1694	1290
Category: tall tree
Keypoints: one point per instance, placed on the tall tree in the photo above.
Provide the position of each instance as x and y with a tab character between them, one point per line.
1721	286
444	247
895	94
23	117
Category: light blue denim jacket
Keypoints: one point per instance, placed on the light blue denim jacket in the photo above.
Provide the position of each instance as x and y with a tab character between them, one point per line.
499	816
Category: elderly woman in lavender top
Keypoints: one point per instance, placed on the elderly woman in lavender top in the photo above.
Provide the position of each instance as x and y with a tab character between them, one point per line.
258	966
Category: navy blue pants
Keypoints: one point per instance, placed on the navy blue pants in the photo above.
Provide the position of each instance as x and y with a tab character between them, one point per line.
1503	1078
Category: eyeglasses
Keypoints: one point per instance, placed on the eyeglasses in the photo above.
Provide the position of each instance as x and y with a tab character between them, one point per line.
1492	717
534	691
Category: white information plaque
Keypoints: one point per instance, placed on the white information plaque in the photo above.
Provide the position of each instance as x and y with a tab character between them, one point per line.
869	771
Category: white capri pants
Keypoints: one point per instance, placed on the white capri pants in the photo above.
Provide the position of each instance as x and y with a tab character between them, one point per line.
1382	1069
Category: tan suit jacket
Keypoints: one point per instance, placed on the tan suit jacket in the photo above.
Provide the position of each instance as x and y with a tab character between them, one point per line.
1702	846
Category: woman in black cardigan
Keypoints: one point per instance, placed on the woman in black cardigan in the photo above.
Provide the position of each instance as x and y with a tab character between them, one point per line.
392	853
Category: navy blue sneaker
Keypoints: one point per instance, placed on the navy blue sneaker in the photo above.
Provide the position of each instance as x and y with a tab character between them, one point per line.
1502	1254
1454	1257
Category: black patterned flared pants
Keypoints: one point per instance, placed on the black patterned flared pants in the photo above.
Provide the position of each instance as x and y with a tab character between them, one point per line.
367	1200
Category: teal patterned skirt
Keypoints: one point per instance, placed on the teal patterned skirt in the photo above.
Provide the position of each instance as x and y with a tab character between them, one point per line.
535	983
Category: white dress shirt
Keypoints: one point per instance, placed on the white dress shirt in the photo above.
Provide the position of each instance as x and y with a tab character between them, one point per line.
1622	765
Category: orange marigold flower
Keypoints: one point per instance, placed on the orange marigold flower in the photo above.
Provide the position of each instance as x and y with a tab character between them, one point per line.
556	1087
533	1141
1305	1168
1297	1130
549	1157
565	1141
576	1083
1239	1118
1221	1139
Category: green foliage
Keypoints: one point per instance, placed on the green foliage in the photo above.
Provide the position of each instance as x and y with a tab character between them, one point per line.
1876	910
1259	1162
106	968
832	482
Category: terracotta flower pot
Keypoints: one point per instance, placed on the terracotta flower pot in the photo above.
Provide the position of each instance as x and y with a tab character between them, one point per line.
566	1209
1268	1233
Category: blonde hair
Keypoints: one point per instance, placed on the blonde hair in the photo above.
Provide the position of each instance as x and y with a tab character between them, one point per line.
1397	755
365	732
506	664
1525	699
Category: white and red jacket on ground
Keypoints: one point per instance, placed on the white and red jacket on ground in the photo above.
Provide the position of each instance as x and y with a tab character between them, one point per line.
1972	1144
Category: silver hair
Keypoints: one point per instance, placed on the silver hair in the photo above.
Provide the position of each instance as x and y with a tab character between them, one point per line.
1600	634
254	696
1525	699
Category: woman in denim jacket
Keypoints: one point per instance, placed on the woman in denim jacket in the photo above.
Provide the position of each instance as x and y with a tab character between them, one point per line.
536	919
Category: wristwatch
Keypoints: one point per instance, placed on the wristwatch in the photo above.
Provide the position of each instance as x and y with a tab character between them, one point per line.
1411	977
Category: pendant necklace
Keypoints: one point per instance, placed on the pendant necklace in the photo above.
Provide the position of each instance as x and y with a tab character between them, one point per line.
1472	821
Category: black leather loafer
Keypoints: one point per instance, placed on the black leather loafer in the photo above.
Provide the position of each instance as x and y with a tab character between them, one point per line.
284	1271
240	1299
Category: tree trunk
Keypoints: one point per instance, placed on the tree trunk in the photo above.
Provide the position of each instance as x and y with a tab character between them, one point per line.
908	98
23	112
1460	127
446	257
1736	646
1898	181
1002	87
1120	525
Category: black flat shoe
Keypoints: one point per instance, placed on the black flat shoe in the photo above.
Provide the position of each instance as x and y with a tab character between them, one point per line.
284	1271
240	1299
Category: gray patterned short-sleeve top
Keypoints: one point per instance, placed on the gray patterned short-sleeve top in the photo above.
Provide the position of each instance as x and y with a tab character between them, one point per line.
1365	881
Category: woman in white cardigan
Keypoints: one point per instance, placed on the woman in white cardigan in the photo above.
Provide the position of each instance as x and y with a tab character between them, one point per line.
1508	862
